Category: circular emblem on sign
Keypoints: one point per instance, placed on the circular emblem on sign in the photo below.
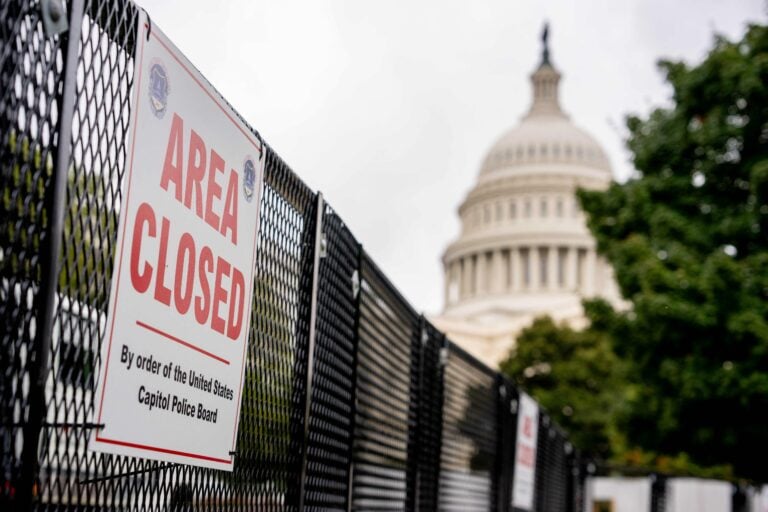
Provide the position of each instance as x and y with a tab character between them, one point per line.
249	179
158	89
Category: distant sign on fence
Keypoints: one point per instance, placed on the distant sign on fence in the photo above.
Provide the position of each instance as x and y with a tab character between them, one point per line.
179	312
523	485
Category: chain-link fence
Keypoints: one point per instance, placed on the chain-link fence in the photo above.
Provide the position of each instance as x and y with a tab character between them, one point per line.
351	399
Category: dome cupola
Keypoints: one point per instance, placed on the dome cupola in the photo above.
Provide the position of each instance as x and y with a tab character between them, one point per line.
546	135
545	83
524	248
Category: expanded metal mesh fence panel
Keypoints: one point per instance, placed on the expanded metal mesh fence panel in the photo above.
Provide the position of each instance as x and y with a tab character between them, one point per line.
350	399
31	65
389	335
333	384
552	472
270	436
470	434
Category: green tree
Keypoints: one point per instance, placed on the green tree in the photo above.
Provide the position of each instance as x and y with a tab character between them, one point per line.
688	238
574	375
90	222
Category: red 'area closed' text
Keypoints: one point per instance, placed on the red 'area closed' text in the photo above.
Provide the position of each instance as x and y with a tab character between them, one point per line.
525	455
220	297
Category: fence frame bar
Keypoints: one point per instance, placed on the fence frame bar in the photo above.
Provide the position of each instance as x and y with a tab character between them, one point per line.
505	443
358	276
50	264
318	250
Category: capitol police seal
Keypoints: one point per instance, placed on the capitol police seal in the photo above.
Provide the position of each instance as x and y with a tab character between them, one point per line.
249	179
158	89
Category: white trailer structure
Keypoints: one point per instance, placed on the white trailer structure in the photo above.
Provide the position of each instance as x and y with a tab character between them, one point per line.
618	494
634	494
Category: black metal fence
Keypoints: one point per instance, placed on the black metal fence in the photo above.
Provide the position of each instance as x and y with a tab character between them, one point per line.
351	399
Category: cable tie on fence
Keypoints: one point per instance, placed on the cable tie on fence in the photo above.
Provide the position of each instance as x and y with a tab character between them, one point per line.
75	425
443	356
58	425
262	149
149	25
323	245
130	473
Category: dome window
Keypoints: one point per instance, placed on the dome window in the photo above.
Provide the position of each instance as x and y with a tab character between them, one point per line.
531	151
559	207
556	150
487	214
519	152
568	151
527	208
512	210
499	212
543	150
543	207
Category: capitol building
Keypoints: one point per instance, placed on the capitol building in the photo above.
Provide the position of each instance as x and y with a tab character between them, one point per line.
524	249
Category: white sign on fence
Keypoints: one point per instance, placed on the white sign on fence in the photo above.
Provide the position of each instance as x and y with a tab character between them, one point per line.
173	355
523	483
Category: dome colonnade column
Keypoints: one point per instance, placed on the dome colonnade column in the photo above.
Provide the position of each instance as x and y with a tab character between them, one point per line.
549	267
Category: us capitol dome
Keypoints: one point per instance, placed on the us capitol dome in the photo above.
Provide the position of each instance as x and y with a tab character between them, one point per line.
524	249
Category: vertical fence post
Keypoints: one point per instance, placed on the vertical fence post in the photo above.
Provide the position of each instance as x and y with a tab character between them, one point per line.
428	428
318	250
506	433
442	361
658	493
414	428
739	498
583	467
50	249
501	420
435	402
571	483
514	407
415	444
357	284
541	475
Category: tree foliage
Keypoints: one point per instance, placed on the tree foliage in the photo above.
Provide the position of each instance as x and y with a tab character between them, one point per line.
90	222
688	239
574	375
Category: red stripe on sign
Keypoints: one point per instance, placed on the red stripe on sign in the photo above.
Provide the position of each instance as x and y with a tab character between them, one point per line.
162	450
180	341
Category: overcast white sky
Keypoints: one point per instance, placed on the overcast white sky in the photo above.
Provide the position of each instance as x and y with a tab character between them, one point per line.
389	107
